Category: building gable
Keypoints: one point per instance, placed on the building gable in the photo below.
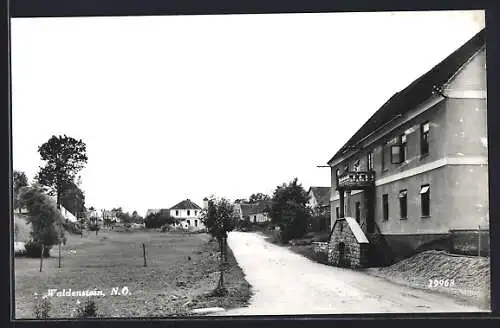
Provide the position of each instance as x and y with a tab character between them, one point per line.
417	93
186	205
467	77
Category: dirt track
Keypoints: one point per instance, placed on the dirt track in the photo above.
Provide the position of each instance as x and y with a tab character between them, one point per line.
286	283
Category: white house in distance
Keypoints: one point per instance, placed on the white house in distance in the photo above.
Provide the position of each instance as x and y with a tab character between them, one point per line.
255	212
188	213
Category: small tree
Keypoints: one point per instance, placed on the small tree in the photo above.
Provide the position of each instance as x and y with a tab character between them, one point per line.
19	181
159	219
289	210
219	220
46	221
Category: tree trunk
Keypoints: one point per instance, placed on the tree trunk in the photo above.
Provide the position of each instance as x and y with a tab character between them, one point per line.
41	258
59	255
58	201
221	278
225	249
219	239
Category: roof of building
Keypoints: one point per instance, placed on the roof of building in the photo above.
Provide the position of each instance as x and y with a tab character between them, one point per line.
322	195
186	205
417	92
356	230
255	208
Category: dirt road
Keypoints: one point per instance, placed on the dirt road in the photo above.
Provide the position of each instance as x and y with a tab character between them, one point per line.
286	283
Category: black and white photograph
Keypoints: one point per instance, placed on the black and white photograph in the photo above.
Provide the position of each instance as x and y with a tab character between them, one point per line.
250	164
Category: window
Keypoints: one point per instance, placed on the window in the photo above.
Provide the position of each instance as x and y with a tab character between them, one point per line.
425	192
188	222
358	212
255	218
337	212
370	161
356	166
424	138
195	222
189	212
382	156
404	148
176	213
385	207
403	204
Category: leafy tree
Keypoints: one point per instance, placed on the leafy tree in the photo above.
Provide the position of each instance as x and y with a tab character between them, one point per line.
219	219
64	157
157	220
258	196
19	181
124	217
46	220
136	218
289	210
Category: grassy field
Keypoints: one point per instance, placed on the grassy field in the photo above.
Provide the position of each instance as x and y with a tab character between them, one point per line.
182	270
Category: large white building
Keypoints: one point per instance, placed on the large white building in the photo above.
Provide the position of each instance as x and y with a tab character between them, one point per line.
188	214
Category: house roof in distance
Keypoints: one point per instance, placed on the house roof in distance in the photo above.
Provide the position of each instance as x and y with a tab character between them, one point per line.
322	195
186	205
417	92
255	208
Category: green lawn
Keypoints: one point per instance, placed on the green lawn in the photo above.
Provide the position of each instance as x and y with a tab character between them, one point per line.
170	284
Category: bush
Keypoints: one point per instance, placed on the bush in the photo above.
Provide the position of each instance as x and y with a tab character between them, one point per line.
72	227
87	310
321	238
33	249
42	308
94	227
165	228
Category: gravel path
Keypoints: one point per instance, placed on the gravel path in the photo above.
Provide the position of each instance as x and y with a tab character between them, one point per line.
286	283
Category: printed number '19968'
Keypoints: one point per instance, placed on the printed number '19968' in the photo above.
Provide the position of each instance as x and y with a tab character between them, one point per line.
442	283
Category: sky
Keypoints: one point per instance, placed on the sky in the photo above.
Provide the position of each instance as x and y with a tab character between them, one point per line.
177	107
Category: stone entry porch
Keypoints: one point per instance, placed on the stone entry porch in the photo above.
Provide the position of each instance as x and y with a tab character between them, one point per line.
348	245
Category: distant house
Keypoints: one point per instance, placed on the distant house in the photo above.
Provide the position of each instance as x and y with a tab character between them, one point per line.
319	203
109	215
188	214
256	212
319	200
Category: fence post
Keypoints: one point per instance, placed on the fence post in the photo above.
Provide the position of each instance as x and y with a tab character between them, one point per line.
479	240
144	254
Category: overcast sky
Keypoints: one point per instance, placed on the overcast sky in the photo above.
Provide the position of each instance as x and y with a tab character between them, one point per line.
187	106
